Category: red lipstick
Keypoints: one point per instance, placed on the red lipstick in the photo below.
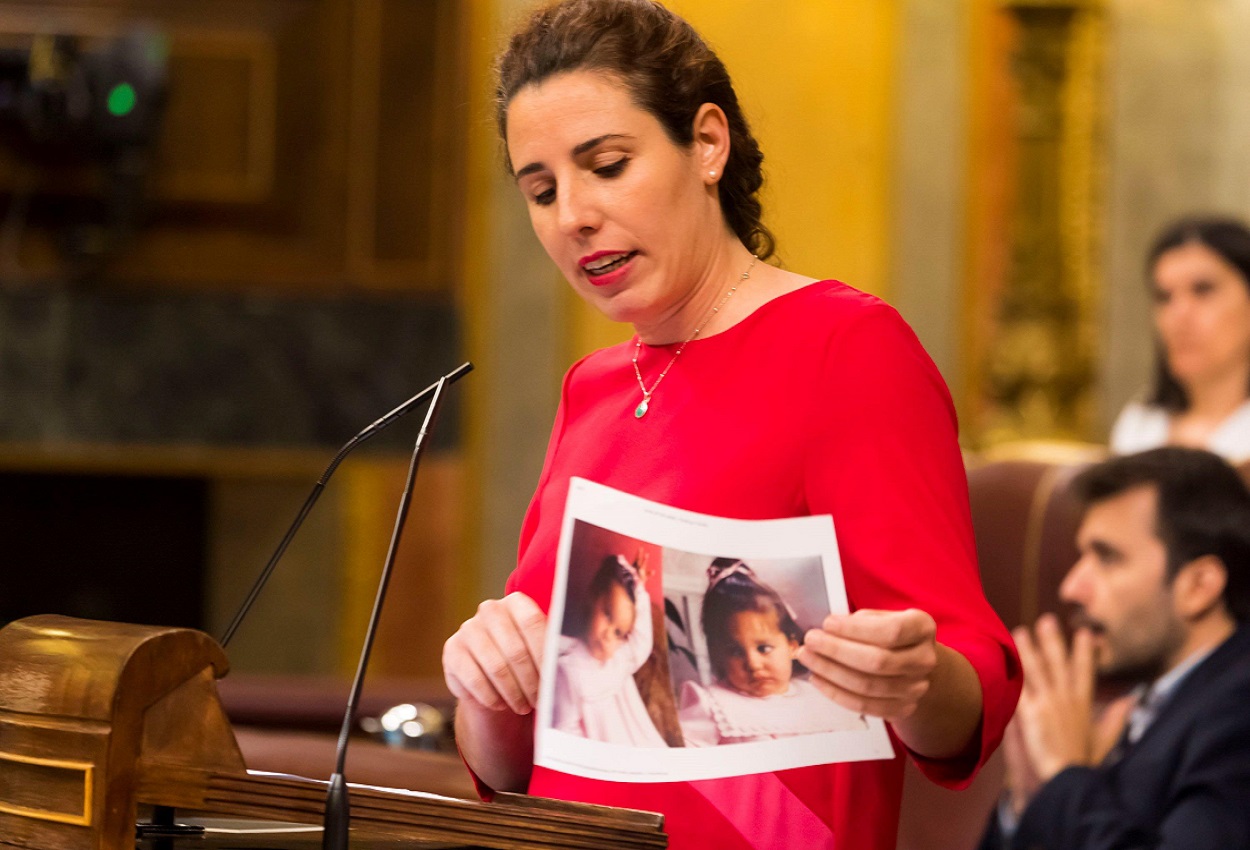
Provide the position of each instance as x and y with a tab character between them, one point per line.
604	268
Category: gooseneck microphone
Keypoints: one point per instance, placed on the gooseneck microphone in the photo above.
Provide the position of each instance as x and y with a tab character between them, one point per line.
371	431
338	803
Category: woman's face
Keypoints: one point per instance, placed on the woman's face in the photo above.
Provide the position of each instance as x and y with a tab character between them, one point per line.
759	658
631	219
1202	314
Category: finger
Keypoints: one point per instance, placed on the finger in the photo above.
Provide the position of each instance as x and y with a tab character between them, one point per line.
883	628
468	682
860	683
886	707
1035	673
1027	708
493	655
1083	665
1054	650
466	677
915	661
504	675
516	626
531	623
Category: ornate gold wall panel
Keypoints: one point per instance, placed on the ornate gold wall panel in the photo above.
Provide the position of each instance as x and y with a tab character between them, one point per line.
1038	375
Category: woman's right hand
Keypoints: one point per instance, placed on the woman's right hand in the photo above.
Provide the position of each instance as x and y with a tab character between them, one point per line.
494	658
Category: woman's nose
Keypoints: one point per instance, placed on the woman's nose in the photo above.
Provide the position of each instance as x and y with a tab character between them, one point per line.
1173	314
578	213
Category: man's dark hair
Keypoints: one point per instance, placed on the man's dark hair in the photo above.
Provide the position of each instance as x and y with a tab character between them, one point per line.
1203	509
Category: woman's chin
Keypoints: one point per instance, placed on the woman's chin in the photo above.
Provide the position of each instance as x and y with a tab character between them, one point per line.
616	306
1190	375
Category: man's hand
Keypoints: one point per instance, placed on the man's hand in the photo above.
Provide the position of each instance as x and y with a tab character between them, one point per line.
1020	781
1055	714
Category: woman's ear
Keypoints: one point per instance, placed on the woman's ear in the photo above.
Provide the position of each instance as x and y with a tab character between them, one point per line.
711	142
1198	586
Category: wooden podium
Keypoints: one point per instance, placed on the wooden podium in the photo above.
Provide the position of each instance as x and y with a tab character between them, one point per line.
98	719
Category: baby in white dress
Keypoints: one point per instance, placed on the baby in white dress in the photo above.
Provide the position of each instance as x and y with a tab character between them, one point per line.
596	696
753	639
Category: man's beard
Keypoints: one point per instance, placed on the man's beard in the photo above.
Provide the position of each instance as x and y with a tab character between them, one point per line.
1131	673
1121	673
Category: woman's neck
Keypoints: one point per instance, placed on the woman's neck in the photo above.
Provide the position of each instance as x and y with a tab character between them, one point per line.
1210	403
765	283
1217	398
707	308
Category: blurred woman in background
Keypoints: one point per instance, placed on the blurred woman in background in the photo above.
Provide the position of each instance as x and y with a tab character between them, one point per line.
1200	274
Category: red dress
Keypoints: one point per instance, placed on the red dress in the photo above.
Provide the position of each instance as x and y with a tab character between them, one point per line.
820	402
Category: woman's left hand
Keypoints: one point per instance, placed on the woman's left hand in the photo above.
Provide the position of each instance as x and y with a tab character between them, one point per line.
889	664
879	663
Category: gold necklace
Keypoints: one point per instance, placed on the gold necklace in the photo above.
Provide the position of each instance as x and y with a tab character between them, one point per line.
641	410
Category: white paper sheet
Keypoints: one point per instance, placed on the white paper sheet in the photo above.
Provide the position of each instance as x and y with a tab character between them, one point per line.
797	558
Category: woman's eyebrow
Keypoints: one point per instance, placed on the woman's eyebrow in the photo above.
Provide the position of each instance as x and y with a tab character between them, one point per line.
578	150
528	169
591	144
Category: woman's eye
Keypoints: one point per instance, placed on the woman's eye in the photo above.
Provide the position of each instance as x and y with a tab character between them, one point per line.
545	197
1204	287
612	169
764	648
1162	297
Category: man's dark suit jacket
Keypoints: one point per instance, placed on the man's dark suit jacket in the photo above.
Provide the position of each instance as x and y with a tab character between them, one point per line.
1185	785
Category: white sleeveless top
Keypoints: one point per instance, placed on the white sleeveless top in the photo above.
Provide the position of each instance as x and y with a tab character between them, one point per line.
1145	426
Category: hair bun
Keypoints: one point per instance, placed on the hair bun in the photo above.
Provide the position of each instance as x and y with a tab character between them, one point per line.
726	568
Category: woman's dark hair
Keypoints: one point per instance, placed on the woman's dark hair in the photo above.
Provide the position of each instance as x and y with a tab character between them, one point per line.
1203	508
1228	238
669	71
732	589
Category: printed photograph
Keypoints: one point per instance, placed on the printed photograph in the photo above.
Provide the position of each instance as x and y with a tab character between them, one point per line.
612	681
734	630
673	640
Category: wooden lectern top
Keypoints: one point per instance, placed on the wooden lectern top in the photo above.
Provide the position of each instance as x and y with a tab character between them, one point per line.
99	718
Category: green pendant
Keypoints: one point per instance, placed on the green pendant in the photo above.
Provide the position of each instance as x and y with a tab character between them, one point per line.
641	410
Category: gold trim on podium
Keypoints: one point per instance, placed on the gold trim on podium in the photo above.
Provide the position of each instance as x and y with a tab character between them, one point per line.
85	768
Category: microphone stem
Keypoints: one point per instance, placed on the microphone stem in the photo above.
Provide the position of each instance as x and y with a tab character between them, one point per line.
375	428
259	585
338	803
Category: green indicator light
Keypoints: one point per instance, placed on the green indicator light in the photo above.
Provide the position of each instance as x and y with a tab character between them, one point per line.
122	99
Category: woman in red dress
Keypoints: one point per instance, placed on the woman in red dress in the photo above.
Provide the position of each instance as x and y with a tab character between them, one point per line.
748	391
